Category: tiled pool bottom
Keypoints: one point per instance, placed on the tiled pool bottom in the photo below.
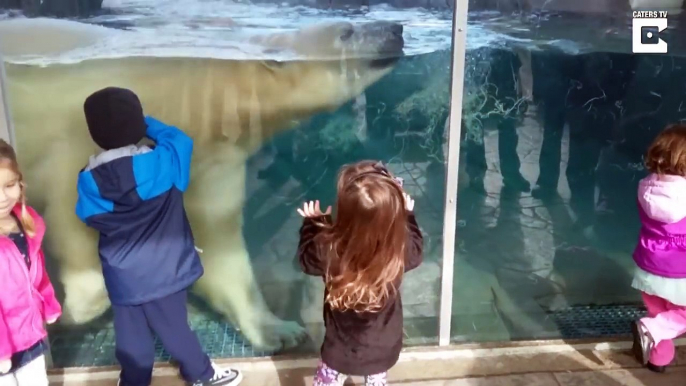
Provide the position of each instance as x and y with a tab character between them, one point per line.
220	340
96	347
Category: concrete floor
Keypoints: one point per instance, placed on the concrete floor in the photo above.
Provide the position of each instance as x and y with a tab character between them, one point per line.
535	365
585	378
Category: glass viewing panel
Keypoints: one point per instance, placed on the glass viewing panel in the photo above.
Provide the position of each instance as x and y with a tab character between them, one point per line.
277	96
557	116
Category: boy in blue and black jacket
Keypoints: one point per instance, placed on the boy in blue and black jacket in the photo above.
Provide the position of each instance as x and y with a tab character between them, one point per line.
133	195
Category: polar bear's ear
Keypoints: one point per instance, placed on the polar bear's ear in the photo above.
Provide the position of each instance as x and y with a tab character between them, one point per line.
273	65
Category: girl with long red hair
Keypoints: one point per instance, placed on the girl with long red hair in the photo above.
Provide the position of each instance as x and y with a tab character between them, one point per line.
362	255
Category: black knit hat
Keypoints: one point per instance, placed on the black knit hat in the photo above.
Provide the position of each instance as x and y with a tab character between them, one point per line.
115	117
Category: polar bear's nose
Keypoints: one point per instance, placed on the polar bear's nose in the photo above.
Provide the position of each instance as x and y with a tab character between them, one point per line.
396	29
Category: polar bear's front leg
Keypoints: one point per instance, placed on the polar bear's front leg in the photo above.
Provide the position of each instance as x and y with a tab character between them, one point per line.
230	287
214	205
70	242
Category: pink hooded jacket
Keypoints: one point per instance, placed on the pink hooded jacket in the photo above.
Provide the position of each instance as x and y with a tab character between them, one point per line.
661	248
27	298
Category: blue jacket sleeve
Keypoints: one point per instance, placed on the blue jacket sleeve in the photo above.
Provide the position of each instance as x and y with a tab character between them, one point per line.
169	164
89	202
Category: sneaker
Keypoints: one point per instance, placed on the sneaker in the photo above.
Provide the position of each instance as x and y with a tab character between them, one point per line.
222	377
643	344
656	369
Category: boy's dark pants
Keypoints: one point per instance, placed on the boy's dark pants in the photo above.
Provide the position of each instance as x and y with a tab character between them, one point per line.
168	319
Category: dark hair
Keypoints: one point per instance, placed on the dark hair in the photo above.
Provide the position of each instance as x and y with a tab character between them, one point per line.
365	245
667	153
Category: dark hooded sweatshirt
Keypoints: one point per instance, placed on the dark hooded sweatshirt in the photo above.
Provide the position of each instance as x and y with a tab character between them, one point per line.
134	197
361	343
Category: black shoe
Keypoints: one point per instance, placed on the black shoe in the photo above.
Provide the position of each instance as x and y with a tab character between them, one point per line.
543	193
477	185
656	369
517	183
222	377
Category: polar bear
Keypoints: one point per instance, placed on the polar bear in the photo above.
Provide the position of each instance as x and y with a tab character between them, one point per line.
230	108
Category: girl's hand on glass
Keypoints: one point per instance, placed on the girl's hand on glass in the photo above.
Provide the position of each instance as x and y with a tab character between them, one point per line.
311	209
5	366
409	202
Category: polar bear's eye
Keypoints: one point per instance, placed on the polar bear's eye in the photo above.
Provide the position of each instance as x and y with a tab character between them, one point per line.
272	64
347	34
272	51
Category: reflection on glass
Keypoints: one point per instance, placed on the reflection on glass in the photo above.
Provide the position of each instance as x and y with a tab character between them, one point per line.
556	122
277	99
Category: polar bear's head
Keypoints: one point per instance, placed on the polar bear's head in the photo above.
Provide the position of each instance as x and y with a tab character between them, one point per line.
336	61
339	40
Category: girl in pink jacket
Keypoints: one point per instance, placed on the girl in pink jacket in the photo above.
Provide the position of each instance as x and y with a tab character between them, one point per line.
27	299
660	253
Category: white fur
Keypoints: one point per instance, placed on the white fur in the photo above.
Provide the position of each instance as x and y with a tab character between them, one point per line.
230	108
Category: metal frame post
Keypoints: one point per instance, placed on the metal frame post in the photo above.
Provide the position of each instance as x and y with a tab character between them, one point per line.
6	131
459	48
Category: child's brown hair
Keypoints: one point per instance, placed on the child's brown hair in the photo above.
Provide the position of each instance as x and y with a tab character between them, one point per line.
365	246
667	153
8	159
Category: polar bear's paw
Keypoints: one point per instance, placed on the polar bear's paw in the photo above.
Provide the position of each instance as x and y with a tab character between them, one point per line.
289	333
86	298
276	336
75	311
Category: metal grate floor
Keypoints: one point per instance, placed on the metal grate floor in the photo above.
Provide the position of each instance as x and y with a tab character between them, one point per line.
596	321
96	347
